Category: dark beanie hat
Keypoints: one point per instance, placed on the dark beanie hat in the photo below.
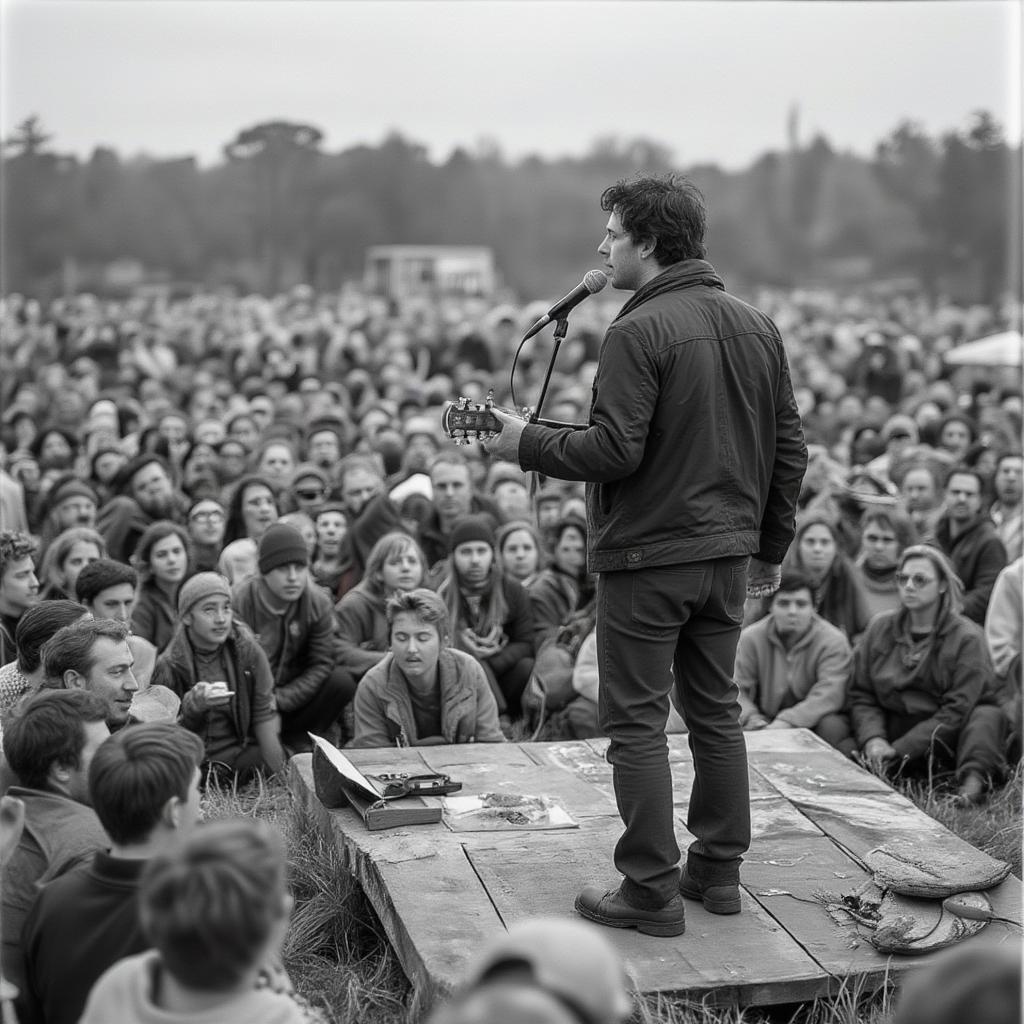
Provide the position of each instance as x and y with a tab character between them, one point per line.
280	545
472	528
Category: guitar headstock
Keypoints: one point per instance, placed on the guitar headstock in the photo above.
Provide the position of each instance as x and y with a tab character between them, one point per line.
464	421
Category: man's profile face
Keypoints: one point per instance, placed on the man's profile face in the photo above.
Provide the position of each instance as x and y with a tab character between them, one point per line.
621	256
19	586
791	612
358	487
415	645
452	491
963	497
114	602
112	678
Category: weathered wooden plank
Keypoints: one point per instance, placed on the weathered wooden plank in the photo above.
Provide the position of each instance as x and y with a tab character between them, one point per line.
747	958
433	907
449	758
811	772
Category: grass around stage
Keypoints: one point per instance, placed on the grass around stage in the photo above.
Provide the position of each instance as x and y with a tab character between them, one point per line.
339	957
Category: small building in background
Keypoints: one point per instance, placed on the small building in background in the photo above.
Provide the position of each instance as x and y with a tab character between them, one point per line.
434	271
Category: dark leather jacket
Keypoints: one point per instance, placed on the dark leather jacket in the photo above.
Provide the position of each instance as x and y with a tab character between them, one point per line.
694	448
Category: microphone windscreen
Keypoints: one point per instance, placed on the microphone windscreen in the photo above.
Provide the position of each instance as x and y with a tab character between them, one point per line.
595	280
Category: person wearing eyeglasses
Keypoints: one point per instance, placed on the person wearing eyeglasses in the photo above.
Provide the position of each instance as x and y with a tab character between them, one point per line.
206	522
922	692
308	490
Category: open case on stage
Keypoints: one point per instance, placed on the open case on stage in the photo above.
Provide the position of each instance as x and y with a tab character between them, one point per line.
382	801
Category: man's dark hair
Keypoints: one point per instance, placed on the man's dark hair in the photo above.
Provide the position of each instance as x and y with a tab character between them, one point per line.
135	772
99	575
793	580
963	470
48	728
670	210
72	647
14	546
37	625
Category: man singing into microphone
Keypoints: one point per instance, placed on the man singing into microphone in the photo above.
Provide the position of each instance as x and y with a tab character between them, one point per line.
693	458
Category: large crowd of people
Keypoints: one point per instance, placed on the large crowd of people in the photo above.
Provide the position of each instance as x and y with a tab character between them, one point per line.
227	523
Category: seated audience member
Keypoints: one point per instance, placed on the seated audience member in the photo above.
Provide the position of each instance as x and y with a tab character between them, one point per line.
1004	625
454	498
206	521
490	617
94	655
509	488
423	692
919	479
293	620
369	514
19	587
792	667
966	534
395	564
884	534
163	562
252	508
214	910
545	970
304	524
980	982
69	503
107	589
146	495
839	597
328	564
563	586
144	788
35	627
49	741
922	691
65	558
238	722
1007	511
519	550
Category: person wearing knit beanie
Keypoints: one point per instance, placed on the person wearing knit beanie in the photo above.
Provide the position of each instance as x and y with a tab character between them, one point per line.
281	544
199	587
473	528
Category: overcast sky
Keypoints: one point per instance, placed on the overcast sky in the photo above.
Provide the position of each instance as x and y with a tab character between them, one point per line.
713	81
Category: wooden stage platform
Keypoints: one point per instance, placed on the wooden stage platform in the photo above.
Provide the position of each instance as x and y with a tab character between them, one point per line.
443	894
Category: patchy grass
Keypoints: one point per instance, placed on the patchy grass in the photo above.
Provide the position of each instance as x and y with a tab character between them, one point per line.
339	957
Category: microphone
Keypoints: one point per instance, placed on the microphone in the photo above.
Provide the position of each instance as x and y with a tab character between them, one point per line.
593	281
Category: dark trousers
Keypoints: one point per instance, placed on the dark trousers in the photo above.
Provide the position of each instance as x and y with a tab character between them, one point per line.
649	622
319	713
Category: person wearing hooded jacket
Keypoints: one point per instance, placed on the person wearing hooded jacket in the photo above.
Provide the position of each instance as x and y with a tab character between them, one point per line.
238	721
922	693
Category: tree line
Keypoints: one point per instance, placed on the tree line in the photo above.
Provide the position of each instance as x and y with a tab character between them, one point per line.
279	210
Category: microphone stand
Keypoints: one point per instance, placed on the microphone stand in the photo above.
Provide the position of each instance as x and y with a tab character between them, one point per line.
561	327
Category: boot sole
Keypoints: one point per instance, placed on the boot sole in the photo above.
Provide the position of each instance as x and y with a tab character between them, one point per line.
644	927
723	907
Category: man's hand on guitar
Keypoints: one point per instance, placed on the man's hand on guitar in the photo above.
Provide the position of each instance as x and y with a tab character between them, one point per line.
505	445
